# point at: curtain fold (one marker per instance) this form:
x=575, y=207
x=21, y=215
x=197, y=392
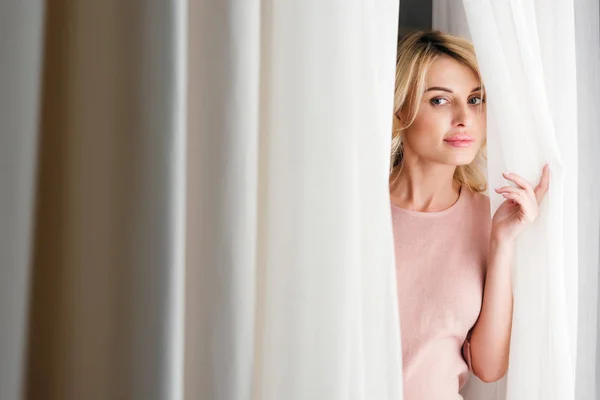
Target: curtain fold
x=587, y=48
x=224, y=45
x=21, y=44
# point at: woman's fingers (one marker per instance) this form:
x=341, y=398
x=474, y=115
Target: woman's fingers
x=524, y=195
x=524, y=202
x=510, y=189
x=522, y=183
x=542, y=187
x=516, y=197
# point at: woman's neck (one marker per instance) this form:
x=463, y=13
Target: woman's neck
x=425, y=188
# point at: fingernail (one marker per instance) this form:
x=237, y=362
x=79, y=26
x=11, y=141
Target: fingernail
x=506, y=173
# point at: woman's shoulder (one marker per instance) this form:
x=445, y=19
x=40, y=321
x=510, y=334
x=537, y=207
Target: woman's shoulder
x=480, y=204
x=481, y=219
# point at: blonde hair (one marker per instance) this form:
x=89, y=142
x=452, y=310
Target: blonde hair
x=416, y=52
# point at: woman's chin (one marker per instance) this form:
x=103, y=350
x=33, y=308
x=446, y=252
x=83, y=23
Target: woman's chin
x=460, y=161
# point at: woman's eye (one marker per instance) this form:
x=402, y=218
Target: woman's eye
x=438, y=101
x=475, y=100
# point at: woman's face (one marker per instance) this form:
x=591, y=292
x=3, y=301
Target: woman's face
x=450, y=125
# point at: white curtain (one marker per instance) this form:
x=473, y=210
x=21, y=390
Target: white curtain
x=291, y=223
x=539, y=61
x=194, y=200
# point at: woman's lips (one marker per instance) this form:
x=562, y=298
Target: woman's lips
x=460, y=140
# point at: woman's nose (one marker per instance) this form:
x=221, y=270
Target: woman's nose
x=463, y=115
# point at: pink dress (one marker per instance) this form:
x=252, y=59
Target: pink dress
x=440, y=270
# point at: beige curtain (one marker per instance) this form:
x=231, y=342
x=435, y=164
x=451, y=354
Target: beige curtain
x=95, y=144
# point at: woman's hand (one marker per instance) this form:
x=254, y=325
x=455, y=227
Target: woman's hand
x=521, y=206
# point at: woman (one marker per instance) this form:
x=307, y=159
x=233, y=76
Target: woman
x=452, y=259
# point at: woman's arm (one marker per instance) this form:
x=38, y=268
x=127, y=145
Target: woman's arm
x=490, y=337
